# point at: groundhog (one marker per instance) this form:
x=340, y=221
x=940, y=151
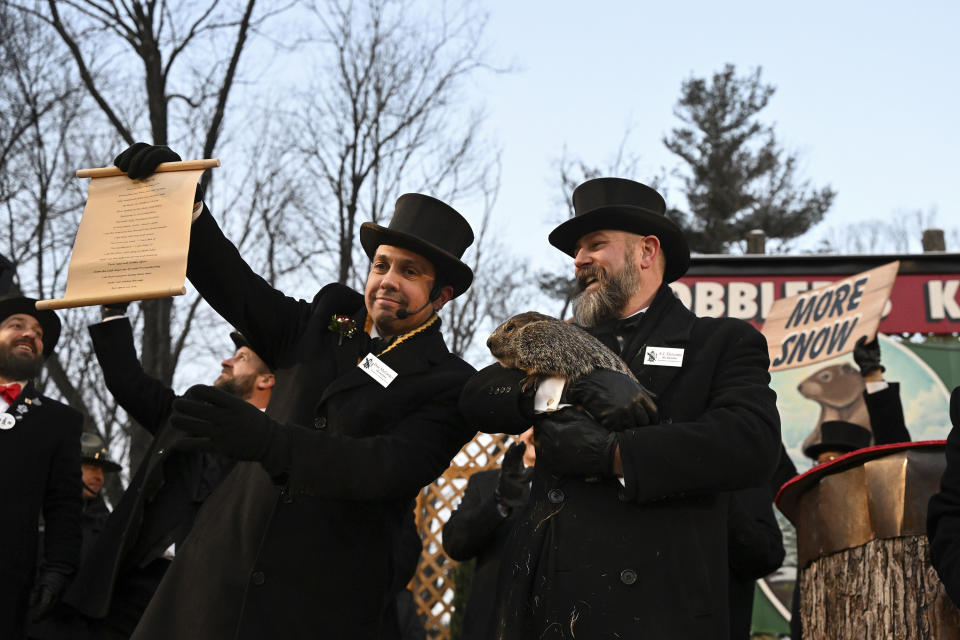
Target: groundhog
x=838, y=389
x=543, y=346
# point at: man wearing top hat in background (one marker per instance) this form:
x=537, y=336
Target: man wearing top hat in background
x=39, y=471
x=625, y=534
x=301, y=541
x=120, y=573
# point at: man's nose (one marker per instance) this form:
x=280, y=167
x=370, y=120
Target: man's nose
x=581, y=258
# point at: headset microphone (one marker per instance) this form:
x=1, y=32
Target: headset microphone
x=403, y=314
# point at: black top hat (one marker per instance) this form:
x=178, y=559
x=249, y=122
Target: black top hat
x=48, y=320
x=623, y=205
x=431, y=228
x=93, y=450
x=239, y=340
x=841, y=436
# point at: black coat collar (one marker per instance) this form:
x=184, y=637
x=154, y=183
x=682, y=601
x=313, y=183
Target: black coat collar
x=415, y=355
x=667, y=323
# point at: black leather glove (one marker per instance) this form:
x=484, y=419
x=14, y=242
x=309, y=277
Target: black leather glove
x=493, y=402
x=867, y=356
x=234, y=426
x=513, y=487
x=572, y=443
x=140, y=159
x=46, y=593
x=113, y=309
x=616, y=401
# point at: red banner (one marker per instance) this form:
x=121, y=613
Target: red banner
x=919, y=303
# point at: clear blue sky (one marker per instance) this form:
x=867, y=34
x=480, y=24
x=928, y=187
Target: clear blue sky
x=867, y=94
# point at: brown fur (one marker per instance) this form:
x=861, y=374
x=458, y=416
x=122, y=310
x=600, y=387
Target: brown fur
x=544, y=346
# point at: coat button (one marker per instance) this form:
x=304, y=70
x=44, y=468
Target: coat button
x=285, y=496
x=258, y=578
x=628, y=576
x=320, y=422
x=555, y=496
x=160, y=452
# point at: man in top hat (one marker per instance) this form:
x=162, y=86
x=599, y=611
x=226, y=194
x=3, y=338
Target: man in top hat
x=300, y=540
x=625, y=534
x=39, y=471
x=95, y=462
x=122, y=570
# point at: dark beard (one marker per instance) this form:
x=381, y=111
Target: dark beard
x=15, y=365
x=240, y=386
x=609, y=300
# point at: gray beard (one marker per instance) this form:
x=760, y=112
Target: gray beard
x=237, y=386
x=19, y=366
x=609, y=300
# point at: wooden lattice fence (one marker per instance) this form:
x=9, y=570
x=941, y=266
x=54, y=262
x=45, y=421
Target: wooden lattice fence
x=432, y=586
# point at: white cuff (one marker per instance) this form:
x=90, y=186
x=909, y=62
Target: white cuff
x=548, y=395
x=877, y=385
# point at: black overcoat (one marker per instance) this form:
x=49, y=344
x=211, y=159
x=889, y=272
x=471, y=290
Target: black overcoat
x=943, y=511
x=594, y=559
x=40, y=473
x=312, y=557
x=476, y=529
x=125, y=564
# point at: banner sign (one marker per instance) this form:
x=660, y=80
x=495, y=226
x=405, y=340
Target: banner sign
x=826, y=322
x=919, y=302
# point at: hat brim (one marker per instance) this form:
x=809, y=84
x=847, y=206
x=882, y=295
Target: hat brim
x=239, y=340
x=633, y=220
x=814, y=450
x=109, y=466
x=449, y=268
x=49, y=321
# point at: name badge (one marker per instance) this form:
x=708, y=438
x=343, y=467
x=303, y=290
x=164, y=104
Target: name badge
x=376, y=369
x=663, y=356
x=7, y=421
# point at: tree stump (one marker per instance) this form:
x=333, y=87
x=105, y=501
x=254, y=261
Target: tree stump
x=882, y=589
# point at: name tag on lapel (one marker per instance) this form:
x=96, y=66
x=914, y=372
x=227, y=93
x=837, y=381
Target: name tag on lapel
x=376, y=369
x=663, y=356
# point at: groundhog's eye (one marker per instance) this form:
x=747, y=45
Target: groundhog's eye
x=825, y=376
x=510, y=327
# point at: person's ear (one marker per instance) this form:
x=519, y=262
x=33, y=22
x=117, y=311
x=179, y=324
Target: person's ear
x=649, y=251
x=266, y=381
x=445, y=295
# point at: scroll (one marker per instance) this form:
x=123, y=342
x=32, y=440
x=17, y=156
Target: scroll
x=133, y=237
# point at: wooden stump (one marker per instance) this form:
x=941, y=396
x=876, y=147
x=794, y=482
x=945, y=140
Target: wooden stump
x=885, y=588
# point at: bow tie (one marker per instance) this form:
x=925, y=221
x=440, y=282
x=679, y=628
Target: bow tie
x=9, y=392
x=619, y=326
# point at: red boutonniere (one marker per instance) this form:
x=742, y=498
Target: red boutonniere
x=342, y=325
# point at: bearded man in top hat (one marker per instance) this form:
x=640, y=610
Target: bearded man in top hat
x=301, y=539
x=124, y=565
x=39, y=471
x=625, y=534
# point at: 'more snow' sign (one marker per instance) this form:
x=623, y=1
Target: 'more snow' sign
x=826, y=322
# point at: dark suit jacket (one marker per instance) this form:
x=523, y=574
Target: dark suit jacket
x=311, y=555
x=648, y=560
x=477, y=530
x=943, y=512
x=755, y=546
x=886, y=415
x=39, y=473
x=124, y=566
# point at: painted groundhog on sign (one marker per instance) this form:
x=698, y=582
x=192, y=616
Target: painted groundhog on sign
x=838, y=389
